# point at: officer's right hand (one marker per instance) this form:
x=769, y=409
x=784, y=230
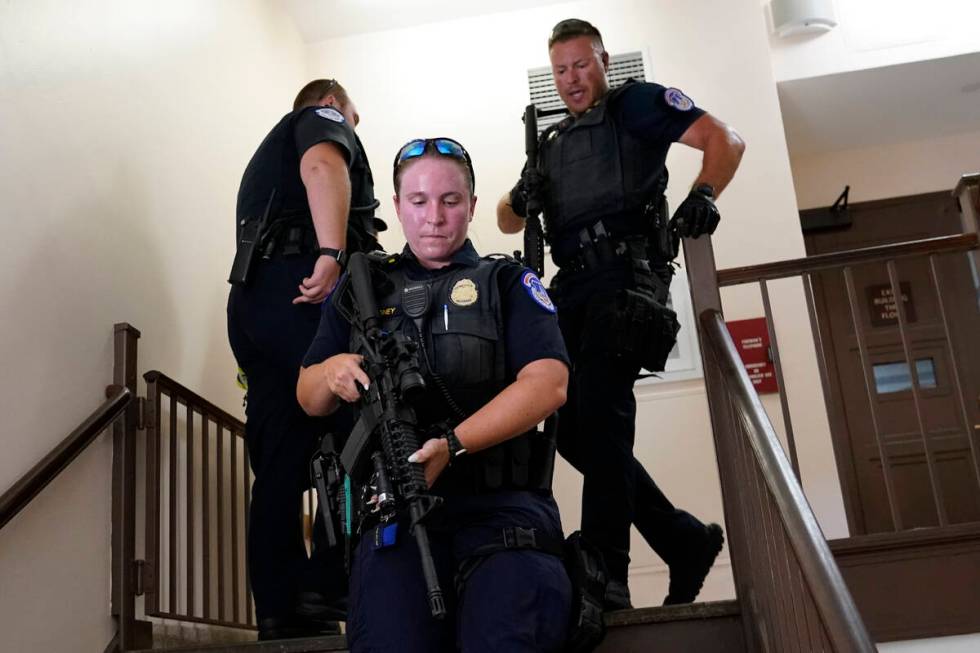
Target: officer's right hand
x=316, y=287
x=342, y=373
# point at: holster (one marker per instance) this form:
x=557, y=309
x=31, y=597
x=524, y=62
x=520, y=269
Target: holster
x=587, y=571
x=664, y=242
x=632, y=324
x=251, y=234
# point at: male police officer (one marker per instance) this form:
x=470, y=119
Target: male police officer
x=601, y=173
x=305, y=200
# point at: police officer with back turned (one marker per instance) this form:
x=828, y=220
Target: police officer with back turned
x=600, y=175
x=306, y=200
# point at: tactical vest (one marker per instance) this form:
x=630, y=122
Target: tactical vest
x=597, y=171
x=461, y=338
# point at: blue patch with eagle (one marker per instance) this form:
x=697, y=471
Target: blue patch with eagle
x=675, y=97
x=535, y=289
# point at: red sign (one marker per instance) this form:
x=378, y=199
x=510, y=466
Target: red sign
x=752, y=341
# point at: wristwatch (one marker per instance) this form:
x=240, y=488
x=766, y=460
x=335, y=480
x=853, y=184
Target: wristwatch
x=338, y=254
x=456, y=447
x=705, y=189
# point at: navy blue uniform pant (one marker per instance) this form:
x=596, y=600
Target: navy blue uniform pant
x=269, y=336
x=596, y=432
x=516, y=601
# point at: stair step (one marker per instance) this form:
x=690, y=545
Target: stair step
x=299, y=645
x=713, y=627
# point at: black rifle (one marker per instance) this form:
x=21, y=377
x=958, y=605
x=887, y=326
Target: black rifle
x=386, y=432
x=533, y=233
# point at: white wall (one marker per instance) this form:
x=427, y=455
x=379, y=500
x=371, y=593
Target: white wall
x=873, y=33
x=467, y=79
x=886, y=171
x=124, y=130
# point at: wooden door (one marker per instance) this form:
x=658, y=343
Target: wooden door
x=889, y=407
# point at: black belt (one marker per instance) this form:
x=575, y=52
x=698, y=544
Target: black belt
x=289, y=238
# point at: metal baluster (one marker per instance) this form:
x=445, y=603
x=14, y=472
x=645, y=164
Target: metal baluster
x=872, y=397
x=937, y=491
x=954, y=368
x=783, y=392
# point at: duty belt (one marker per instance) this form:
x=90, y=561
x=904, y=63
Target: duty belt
x=288, y=237
x=598, y=250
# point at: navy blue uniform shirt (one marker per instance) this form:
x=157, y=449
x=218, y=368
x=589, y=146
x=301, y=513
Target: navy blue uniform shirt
x=530, y=330
x=655, y=114
x=276, y=162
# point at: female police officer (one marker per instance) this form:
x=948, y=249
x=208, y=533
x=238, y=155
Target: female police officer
x=495, y=366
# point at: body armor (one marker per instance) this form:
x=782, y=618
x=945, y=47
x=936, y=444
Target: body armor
x=459, y=330
x=597, y=170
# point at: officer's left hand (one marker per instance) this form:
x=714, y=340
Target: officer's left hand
x=434, y=456
x=696, y=215
x=318, y=285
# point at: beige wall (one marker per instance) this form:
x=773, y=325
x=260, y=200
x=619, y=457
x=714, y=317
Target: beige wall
x=124, y=130
x=887, y=170
x=467, y=79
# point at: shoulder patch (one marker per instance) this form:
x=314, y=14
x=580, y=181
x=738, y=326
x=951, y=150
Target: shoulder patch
x=535, y=289
x=675, y=97
x=330, y=114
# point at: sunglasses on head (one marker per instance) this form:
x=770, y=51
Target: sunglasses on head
x=444, y=146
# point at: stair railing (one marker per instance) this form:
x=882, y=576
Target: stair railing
x=198, y=486
x=47, y=469
x=790, y=591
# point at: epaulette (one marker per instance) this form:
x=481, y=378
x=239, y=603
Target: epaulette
x=619, y=90
x=552, y=131
x=382, y=259
x=498, y=256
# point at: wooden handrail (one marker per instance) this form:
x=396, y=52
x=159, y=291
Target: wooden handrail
x=843, y=624
x=30, y=484
x=797, y=266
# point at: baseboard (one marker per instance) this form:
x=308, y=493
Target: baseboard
x=914, y=584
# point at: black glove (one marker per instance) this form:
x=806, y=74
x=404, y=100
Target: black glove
x=697, y=214
x=532, y=184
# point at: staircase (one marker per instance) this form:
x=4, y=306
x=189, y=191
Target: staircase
x=714, y=627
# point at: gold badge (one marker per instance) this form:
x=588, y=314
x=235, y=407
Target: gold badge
x=464, y=293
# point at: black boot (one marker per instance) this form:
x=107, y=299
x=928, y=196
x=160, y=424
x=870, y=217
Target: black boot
x=293, y=626
x=617, y=597
x=688, y=573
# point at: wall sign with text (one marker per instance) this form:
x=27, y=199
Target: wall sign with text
x=752, y=341
x=882, y=307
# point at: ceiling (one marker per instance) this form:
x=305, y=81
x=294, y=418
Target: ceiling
x=880, y=106
x=323, y=19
